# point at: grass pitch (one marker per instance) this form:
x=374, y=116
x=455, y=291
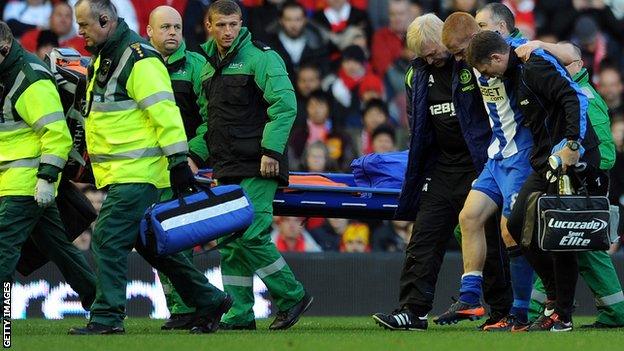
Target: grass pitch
x=311, y=333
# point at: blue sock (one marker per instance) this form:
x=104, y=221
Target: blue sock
x=521, y=283
x=470, y=291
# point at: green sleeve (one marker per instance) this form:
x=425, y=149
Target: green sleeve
x=278, y=92
x=197, y=145
x=599, y=117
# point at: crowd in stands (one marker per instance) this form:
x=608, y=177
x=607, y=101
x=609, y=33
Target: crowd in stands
x=347, y=61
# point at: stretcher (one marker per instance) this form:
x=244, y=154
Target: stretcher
x=330, y=195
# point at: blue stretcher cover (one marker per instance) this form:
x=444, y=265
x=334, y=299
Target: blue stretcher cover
x=331, y=195
x=336, y=200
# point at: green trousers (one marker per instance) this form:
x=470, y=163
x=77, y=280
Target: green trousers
x=175, y=304
x=255, y=253
x=116, y=233
x=20, y=217
x=596, y=269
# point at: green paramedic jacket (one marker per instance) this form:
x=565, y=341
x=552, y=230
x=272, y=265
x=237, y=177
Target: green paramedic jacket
x=251, y=107
x=599, y=117
x=184, y=68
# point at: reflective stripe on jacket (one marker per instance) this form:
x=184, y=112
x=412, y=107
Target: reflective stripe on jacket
x=33, y=130
x=133, y=122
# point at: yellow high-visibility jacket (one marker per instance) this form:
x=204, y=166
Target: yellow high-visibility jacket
x=34, y=137
x=132, y=121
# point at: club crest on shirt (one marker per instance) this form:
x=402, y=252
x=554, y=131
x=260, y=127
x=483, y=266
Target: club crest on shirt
x=464, y=76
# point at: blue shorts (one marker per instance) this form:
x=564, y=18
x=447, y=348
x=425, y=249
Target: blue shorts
x=501, y=180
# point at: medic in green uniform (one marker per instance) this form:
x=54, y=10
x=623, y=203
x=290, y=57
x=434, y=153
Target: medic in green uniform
x=137, y=146
x=251, y=106
x=34, y=146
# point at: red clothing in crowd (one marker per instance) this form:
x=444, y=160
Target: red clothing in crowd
x=387, y=46
x=523, y=13
x=282, y=246
x=29, y=42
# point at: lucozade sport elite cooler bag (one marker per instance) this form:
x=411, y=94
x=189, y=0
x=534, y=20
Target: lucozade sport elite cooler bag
x=175, y=225
x=573, y=223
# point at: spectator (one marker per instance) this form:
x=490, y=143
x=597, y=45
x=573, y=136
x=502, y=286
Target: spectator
x=383, y=139
x=308, y=80
x=329, y=235
x=611, y=88
x=297, y=41
x=392, y=236
x=24, y=15
x=470, y=6
x=371, y=88
x=319, y=127
x=291, y=236
x=316, y=158
x=46, y=41
x=353, y=71
x=523, y=13
x=416, y=8
x=61, y=25
x=262, y=20
x=596, y=47
x=337, y=17
x=356, y=238
x=388, y=42
x=375, y=114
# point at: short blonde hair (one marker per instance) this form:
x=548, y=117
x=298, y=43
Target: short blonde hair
x=425, y=28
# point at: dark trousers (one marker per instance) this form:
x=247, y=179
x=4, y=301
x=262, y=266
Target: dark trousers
x=21, y=218
x=558, y=270
x=442, y=198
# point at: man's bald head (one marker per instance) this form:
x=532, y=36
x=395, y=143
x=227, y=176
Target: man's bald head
x=164, y=11
x=165, y=30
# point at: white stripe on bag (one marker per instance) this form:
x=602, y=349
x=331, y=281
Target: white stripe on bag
x=204, y=213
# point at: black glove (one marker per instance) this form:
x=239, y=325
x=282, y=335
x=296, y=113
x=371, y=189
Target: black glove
x=182, y=179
